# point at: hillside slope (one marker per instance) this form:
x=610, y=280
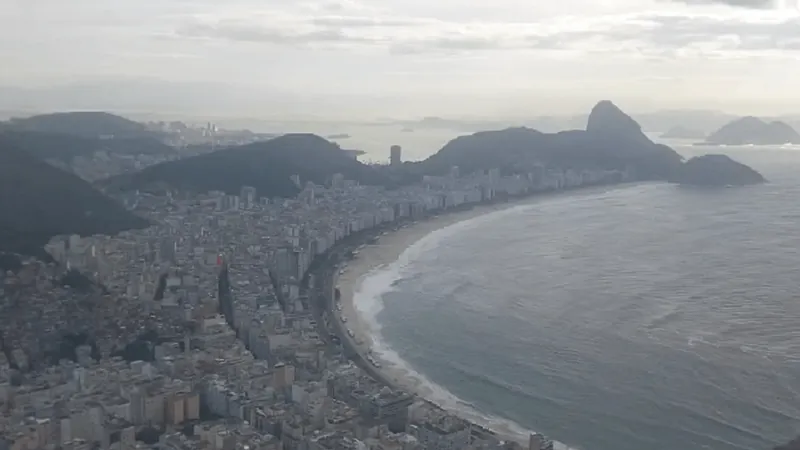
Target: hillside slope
x=38, y=201
x=612, y=140
x=716, y=170
x=267, y=166
x=65, y=147
x=88, y=124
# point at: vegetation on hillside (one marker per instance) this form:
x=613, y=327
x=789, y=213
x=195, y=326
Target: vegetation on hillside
x=267, y=166
x=89, y=124
x=39, y=201
x=65, y=147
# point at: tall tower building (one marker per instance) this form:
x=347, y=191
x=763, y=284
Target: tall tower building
x=395, y=155
x=248, y=197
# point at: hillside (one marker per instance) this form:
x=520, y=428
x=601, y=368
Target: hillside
x=64, y=147
x=612, y=140
x=38, y=201
x=716, y=170
x=752, y=130
x=88, y=124
x=267, y=166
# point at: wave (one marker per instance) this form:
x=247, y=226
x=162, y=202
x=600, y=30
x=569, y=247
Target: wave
x=368, y=304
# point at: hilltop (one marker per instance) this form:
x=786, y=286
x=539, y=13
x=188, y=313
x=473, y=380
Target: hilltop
x=38, y=201
x=611, y=140
x=267, y=166
x=87, y=124
x=752, y=130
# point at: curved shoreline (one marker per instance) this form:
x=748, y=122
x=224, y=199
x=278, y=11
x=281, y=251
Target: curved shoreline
x=371, y=261
x=386, y=251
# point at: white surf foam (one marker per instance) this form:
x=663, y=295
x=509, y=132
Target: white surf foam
x=368, y=303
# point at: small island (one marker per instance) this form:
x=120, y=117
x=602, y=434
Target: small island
x=338, y=136
x=753, y=131
x=679, y=132
x=716, y=170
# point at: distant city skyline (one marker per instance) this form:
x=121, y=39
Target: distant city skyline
x=349, y=59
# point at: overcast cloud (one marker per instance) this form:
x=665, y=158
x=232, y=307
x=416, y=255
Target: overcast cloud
x=756, y=4
x=418, y=57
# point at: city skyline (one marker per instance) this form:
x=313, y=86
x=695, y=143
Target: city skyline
x=355, y=60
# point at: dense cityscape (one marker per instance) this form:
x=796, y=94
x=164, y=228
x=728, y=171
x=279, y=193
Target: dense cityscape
x=399, y=225
x=217, y=328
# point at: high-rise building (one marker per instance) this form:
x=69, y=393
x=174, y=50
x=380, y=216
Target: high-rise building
x=248, y=197
x=396, y=155
x=283, y=376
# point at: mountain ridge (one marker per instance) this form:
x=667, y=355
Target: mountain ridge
x=611, y=140
x=267, y=166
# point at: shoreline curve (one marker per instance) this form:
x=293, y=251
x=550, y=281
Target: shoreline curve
x=360, y=307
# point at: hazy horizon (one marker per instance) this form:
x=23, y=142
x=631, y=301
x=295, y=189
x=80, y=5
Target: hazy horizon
x=353, y=60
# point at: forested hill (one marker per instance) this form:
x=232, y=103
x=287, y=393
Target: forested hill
x=38, y=201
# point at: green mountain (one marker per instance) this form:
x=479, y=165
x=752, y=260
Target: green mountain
x=88, y=124
x=267, y=166
x=38, y=201
x=611, y=140
x=716, y=170
x=65, y=147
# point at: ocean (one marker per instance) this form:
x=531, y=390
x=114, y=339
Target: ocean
x=641, y=317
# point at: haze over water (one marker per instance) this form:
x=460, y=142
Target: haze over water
x=646, y=317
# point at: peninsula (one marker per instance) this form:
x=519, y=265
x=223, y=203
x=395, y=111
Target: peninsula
x=716, y=170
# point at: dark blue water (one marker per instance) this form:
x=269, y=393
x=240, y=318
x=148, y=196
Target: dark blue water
x=647, y=317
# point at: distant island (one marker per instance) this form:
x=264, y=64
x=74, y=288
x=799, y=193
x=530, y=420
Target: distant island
x=680, y=132
x=716, y=170
x=334, y=137
x=753, y=131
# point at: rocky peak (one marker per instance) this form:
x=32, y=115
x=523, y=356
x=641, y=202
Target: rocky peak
x=606, y=117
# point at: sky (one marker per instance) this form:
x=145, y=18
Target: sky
x=409, y=58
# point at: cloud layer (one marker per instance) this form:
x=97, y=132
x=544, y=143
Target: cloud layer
x=403, y=48
x=634, y=34
x=755, y=4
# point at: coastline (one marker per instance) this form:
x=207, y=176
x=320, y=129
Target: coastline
x=374, y=257
x=388, y=250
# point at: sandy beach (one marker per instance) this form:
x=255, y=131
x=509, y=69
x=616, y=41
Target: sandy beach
x=355, y=307
x=386, y=251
